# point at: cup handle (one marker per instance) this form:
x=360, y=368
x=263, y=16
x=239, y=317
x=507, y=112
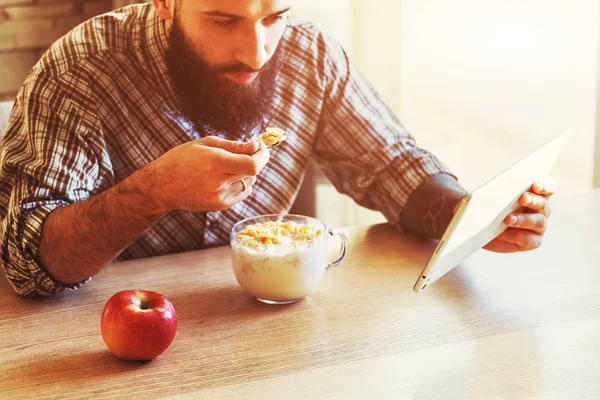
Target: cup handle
x=343, y=250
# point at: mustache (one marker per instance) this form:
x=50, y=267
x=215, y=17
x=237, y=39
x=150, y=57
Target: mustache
x=234, y=68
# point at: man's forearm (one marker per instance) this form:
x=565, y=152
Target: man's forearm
x=78, y=240
x=430, y=208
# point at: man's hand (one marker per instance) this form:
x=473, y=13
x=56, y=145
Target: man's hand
x=526, y=229
x=206, y=175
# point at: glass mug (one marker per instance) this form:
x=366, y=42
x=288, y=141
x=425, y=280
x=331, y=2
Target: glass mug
x=283, y=273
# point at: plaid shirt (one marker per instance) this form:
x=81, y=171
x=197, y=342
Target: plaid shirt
x=98, y=106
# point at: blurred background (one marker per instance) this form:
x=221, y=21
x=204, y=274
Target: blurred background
x=480, y=83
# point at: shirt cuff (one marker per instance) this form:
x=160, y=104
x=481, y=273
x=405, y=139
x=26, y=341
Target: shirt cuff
x=414, y=173
x=29, y=234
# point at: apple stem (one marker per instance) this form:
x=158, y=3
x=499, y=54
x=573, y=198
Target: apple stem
x=145, y=305
x=142, y=304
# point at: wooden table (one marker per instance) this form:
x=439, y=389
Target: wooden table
x=522, y=326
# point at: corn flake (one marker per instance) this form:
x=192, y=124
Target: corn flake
x=272, y=137
x=273, y=232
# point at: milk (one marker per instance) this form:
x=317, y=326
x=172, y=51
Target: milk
x=280, y=273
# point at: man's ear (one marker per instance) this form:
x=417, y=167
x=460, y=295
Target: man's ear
x=164, y=8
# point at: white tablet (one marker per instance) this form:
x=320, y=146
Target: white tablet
x=480, y=216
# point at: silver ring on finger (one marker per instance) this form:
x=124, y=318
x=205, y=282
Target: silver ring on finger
x=244, y=184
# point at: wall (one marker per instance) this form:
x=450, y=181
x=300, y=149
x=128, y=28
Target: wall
x=28, y=27
x=597, y=148
x=482, y=83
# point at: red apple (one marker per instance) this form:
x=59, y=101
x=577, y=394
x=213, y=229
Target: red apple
x=138, y=324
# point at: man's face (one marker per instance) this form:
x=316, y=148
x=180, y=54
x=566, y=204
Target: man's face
x=222, y=60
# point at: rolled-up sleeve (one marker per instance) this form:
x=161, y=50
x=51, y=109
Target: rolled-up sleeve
x=49, y=159
x=19, y=250
x=362, y=147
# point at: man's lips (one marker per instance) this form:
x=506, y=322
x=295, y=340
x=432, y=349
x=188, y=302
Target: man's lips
x=242, y=77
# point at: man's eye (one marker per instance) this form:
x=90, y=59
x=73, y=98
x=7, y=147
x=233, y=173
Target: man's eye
x=223, y=22
x=273, y=20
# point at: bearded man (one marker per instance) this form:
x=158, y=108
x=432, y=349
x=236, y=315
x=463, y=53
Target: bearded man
x=135, y=136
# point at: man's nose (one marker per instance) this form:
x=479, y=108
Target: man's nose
x=252, y=50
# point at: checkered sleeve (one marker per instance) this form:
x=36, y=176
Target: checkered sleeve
x=49, y=159
x=362, y=147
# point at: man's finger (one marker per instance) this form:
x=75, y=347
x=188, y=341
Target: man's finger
x=261, y=157
x=230, y=145
x=545, y=187
x=534, y=202
x=233, y=164
x=535, y=222
x=243, y=164
x=239, y=194
x=501, y=246
x=235, y=185
x=524, y=239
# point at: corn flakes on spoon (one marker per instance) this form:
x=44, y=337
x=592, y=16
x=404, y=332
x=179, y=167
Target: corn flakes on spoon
x=273, y=137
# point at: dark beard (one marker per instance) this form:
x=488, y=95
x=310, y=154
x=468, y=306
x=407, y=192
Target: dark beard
x=212, y=103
